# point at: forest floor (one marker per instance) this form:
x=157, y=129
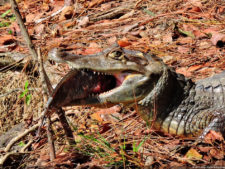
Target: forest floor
x=188, y=35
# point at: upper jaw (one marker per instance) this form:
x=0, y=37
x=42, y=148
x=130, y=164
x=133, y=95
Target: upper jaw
x=106, y=61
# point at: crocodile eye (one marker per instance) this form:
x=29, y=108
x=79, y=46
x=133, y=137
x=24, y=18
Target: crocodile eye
x=117, y=55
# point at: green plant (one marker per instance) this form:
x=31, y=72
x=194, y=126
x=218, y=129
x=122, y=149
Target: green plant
x=7, y=17
x=137, y=147
x=5, y=13
x=25, y=94
x=21, y=144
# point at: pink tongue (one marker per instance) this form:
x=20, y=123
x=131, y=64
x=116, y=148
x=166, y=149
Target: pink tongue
x=120, y=78
x=104, y=85
x=97, y=88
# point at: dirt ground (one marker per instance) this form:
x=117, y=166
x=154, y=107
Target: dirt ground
x=188, y=35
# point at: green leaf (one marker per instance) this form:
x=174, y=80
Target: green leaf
x=124, y=143
x=5, y=13
x=149, y=12
x=141, y=143
x=21, y=144
x=10, y=32
x=13, y=18
x=135, y=149
x=4, y=24
x=22, y=94
x=26, y=84
x=187, y=33
x=28, y=99
x=134, y=146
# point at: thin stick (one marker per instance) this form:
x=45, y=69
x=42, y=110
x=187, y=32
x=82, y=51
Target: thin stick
x=50, y=140
x=26, y=36
x=20, y=136
x=7, y=155
x=47, y=90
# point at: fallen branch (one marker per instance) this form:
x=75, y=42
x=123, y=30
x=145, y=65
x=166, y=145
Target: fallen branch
x=26, y=146
x=7, y=155
x=20, y=136
x=25, y=133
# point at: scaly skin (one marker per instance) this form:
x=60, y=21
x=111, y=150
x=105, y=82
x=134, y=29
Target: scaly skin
x=171, y=102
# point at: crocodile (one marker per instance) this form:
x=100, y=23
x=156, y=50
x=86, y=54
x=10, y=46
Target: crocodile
x=166, y=100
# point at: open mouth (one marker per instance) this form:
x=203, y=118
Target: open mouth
x=82, y=85
x=100, y=82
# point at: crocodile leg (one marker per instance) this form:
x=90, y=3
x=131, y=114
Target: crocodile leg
x=217, y=124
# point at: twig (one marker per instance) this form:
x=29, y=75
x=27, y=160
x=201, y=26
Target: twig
x=47, y=90
x=25, y=133
x=7, y=155
x=161, y=15
x=50, y=140
x=66, y=3
x=20, y=136
x=26, y=146
x=26, y=36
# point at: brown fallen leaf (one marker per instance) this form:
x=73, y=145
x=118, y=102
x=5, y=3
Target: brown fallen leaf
x=167, y=38
x=183, y=49
x=212, y=136
x=195, y=67
x=7, y=43
x=96, y=116
x=185, y=40
x=67, y=13
x=184, y=71
x=83, y=22
x=112, y=40
x=199, y=34
x=205, y=149
x=193, y=154
x=218, y=154
x=30, y=17
x=39, y=29
x=207, y=158
x=220, y=163
x=218, y=39
x=106, y=6
x=39, y=144
x=108, y=115
x=196, y=3
x=92, y=49
x=95, y=2
x=123, y=43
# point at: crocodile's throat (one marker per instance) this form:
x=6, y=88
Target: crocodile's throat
x=102, y=83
